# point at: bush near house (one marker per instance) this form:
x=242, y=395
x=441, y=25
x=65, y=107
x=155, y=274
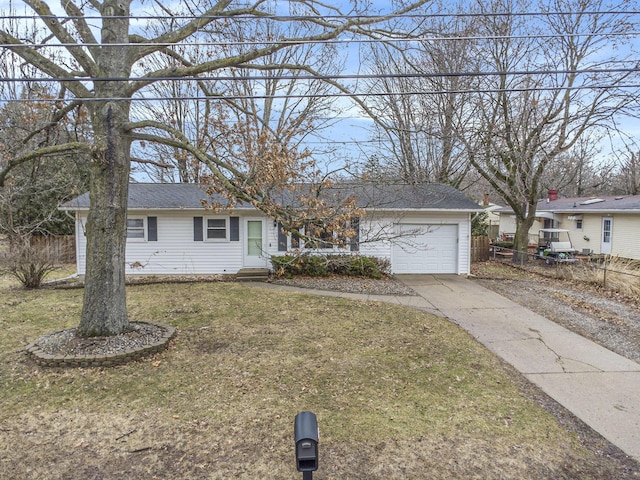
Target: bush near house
x=324, y=265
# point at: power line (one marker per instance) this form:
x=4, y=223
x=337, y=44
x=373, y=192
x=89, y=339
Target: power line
x=332, y=95
x=250, y=43
x=261, y=15
x=359, y=76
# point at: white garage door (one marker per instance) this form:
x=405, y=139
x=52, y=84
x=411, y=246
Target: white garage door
x=426, y=249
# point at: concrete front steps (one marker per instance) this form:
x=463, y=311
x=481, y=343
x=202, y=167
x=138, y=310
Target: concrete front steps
x=252, y=275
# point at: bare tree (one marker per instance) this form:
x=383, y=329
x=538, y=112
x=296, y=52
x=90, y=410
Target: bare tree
x=629, y=173
x=104, y=52
x=210, y=111
x=580, y=171
x=30, y=198
x=420, y=109
x=554, y=82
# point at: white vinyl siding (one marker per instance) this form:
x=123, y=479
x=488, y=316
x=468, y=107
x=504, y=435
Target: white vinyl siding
x=175, y=251
x=588, y=238
x=626, y=229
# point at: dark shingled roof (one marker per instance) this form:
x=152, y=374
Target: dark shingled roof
x=172, y=196
x=621, y=203
x=599, y=204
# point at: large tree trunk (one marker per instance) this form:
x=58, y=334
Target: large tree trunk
x=104, y=311
x=521, y=238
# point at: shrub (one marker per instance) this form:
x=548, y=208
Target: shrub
x=315, y=266
x=323, y=265
x=30, y=265
x=283, y=265
x=364, y=267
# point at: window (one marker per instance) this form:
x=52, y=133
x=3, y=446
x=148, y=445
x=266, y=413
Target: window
x=348, y=236
x=579, y=224
x=216, y=229
x=606, y=230
x=135, y=228
x=321, y=237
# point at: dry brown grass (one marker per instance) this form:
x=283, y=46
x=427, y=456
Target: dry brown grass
x=398, y=394
x=616, y=274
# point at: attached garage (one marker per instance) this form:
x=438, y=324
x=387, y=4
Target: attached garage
x=425, y=248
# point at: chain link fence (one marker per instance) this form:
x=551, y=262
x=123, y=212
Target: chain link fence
x=613, y=273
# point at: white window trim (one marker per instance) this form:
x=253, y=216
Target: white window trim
x=205, y=227
x=144, y=229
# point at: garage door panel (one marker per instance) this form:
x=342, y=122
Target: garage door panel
x=426, y=249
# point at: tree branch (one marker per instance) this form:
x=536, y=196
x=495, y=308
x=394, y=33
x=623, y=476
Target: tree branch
x=56, y=27
x=42, y=152
x=30, y=55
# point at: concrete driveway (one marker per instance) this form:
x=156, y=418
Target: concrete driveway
x=600, y=387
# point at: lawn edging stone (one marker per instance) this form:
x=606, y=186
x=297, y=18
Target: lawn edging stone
x=35, y=352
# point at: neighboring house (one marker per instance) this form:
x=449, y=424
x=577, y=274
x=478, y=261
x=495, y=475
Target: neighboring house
x=598, y=225
x=492, y=218
x=419, y=228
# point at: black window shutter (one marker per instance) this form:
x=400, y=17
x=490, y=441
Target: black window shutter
x=152, y=229
x=234, y=229
x=355, y=241
x=282, y=238
x=197, y=229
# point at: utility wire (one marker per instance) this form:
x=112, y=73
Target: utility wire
x=302, y=96
x=253, y=43
x=261, y=15
x=360, y=76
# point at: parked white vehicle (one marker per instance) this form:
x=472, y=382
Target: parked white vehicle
x=554, y=246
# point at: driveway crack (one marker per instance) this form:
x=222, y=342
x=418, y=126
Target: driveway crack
x=560, y=359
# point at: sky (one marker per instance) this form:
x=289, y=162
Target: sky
x=352, y=130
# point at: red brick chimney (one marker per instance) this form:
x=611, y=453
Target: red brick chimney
x=552, y=195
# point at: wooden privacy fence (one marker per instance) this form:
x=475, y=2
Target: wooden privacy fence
x=62, y=249
x=479, y=249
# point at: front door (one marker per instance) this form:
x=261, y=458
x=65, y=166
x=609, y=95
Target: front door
x=607, y=231
x=255, y=254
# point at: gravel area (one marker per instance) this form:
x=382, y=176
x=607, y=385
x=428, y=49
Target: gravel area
x=606, y=318
x=337, y=283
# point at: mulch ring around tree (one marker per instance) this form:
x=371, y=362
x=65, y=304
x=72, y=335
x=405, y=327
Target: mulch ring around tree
x=65, y=349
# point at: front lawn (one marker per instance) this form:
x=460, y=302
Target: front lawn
x=398, y=394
